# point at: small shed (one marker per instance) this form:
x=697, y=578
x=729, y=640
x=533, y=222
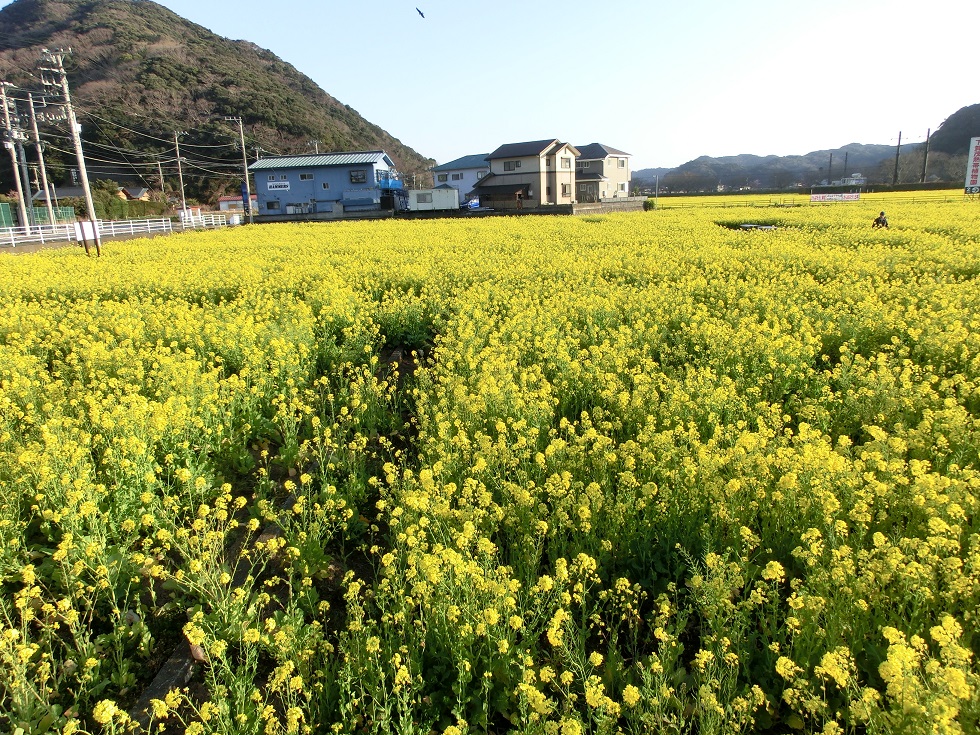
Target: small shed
x=442, y=198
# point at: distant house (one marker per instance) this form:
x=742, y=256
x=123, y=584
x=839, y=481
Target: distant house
x=61, y=192
x=135, y=194
x=531, y=174
x=854, y=180
x=461, y=174
x=601, y=172
x=234, y=203
x=320, y=183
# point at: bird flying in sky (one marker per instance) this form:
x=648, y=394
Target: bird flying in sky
x=420, y=12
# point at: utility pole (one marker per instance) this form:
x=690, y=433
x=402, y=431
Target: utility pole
x=925, y=159
x=57, y=59
x=898, y=151
x=830, y=170
x=24, y=172
x=845, y=164
x=180, y=176
x=160, y=172
x=8, y=143
x=248, y=189
x=40, y=158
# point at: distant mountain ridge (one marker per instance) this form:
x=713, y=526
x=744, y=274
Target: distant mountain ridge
x=138, y=65
x=946, y=149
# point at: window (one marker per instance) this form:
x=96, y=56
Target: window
x=325, y=184
x=585, y=164
x=306, y=177
x=457, y=177
x=283, y=177
x=272, y=177
x=566, y=190
x=547, y=191
x=622, y=187
x=622, y=163
x=511, y=165
x=566, y=163
x=358, y=176
x=481, y=174
x=425, y=198
x=443, y=177
x=547, y=162
x=272, y=206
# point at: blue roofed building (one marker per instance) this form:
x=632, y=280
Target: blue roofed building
x=326, y=184
x=461, y=174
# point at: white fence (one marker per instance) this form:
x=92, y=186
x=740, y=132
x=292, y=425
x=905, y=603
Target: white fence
x=13, y=236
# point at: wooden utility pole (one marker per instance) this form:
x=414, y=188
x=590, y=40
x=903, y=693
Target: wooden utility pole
x=925, y=158
x=160, y=172
x=57, y=61
x=180, y=177
x=898, y=151
x=248, y=188
x=40, y=159
x=8, y=143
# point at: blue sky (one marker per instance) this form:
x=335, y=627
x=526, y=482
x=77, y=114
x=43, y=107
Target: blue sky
x=664, y=81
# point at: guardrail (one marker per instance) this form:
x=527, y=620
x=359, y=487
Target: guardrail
x=13, y=236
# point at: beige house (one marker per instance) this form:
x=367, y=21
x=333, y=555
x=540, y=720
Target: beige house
x=601, y=172
x=532, y=174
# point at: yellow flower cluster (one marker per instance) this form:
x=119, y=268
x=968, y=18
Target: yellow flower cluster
x=633, y=473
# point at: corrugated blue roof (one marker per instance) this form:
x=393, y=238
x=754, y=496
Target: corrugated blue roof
x=319, y=160
x=477, y=160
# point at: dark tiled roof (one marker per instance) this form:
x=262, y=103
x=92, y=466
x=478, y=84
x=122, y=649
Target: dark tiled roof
x=520, y=150
x=596, y=151
x=61, y=192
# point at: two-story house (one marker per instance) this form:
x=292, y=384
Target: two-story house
x=601, y=172
x=532, y=174
x=323, y=182
x=461, y=174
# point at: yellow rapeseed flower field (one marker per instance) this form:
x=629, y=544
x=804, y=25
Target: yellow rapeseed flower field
x=645, y=472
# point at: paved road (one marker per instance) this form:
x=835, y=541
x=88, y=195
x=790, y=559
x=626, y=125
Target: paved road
x=35, y=247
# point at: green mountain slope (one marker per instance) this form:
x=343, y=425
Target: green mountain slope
x=138, y=65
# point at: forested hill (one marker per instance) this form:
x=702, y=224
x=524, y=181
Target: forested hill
x=946, y=163
x=137, y=65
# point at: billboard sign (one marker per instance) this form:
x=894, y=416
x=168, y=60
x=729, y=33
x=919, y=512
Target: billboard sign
x=278, y=186
x=972, y=185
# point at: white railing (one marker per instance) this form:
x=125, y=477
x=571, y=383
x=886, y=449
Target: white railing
x=193, y=222
x=111, y=228
x=13, y=236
